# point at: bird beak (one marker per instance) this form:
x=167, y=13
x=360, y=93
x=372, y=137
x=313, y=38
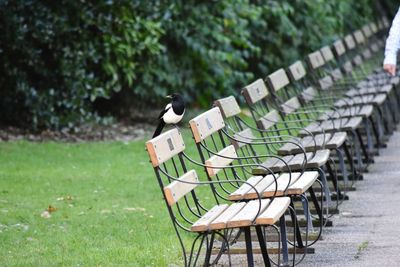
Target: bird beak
x=168, y=96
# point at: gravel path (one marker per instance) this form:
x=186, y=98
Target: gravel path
x=367, y=231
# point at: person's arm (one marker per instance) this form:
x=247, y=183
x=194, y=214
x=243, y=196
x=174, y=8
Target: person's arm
x=392, y=46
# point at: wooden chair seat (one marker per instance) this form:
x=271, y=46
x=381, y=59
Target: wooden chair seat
x=347, y=112
x=295, y=162
x=242, y=214
x=354, y=101
x=330, y=140
x=335, y=125
x=266, y=187
x=377, y=99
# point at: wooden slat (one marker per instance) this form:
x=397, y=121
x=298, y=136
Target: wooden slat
x=281, y=184
x=349, y=41
x=274, y=211
x=374, y=28
x=357, y=60
x=379, y=99
x=339, y=48
x=367, y=53
x=358, y=35
x=337, y=74
x=385, y=22
x=319, y=159
x=165, y=146
x=327, y=53
x=206, y=124
x=291, y=105
x=309, y=94
x=337, y=140
x=243, y=189
x=325, y=83
x=273, y=164
x=315, y=59
x=315, y=143
x=348, y=67
x=288, y=148
x=268, y=120
x=203, y=223
x=278, y=80
x=221, y=221
x=261, y=186
x=381, y=25
x=303, y=183
x=255, y=92
x=229, y=106
x=374, y=47
x=177, y=189
x=367, y=30
x=224, y=158
x=247, y=215
x=246, y=136
x=296, y=71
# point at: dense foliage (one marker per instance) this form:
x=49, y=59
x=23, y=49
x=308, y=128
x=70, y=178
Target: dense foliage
x=59, y=57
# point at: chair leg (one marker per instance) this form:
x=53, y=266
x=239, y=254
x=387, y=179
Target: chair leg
x=285, y=250
x=363, y=148
x=263, y=246
x=316, y=204
x=296, y=224
x=209, y=250
x=249, y=249
x=334, y=179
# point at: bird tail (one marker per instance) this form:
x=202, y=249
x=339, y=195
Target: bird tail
x=160, y=126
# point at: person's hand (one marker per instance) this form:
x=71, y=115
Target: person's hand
x=390, y=68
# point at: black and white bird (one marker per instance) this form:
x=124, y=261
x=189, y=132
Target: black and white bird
x=172, y=114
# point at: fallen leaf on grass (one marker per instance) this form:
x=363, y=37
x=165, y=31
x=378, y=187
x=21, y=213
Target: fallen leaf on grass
x=51, y=209
x=105, y=211
x=134, y=209
x=65, y=198
x=130, y=209
x=45, y=214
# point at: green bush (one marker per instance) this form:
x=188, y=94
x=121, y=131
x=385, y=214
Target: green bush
x=60, y=57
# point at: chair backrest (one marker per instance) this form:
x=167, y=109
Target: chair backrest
x=359, y=37
x=296, y=71
x=217, y=151
x=385, y=22
x=206, y=124
x=176, y=179
x=373, y=27
x=228, y=106
x=165, y=146
x=327, y=53
x=339, y=48
x=349, y=41
x=291, y=105
x=315, y=60
x=255, y=92
x=366, y=29
x=277, y=80
x=308, y=94
x=326, y=82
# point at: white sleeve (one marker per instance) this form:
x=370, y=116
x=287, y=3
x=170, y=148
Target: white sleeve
x=393, y=41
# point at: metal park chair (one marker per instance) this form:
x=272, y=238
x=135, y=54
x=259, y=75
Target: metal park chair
x=216, y=144
x=191, y=211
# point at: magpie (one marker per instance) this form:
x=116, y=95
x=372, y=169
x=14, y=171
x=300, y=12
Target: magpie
x=172, y=114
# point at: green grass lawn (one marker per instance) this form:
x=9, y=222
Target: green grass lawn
x=109, y=208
